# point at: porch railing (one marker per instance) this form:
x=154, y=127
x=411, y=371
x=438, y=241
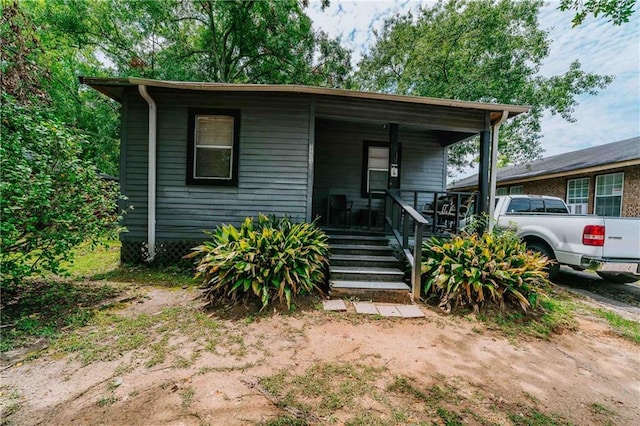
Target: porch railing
x=399, y=216
x=461, y=203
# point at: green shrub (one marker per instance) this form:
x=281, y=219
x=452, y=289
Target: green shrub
x=469, y=269
x=51, y=200
x=273, y=260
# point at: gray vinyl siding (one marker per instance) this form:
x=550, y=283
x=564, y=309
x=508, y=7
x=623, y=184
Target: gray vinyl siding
x=273, y=164
x=339, y=162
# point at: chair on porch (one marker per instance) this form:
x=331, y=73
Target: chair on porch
x=340, y=207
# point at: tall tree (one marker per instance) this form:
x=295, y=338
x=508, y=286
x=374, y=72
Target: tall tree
x=477, y=50
x=617, y=11
x=205, y=40
x=51, y=199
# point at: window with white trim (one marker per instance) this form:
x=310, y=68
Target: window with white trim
x=213, y=147
x=502, y=191
x=608, y=197
x=578, y=195
x=516, y=190
x=376, y=169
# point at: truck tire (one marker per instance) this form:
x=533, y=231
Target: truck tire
x=543, y=249
x=617, y=277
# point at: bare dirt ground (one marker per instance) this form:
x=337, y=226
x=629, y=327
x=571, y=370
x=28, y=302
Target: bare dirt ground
x=433, y=370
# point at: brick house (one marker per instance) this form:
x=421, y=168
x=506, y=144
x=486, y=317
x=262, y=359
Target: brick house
x=602, y=180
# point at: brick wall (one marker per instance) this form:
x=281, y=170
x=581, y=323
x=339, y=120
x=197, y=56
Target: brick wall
x=557, y=187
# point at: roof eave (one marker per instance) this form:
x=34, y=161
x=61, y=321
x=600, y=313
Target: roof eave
x=107, y=86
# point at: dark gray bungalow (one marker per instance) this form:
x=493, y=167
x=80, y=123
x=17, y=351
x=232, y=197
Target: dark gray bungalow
x=195, y=155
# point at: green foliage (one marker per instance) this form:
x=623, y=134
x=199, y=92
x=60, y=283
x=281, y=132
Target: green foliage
x=50, y=199
x=477, y=50
x=618, y=11
x=469, y=270
x=273, y=260
x=205, y=40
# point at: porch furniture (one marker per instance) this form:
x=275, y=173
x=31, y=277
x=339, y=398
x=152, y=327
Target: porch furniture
x=339, y=206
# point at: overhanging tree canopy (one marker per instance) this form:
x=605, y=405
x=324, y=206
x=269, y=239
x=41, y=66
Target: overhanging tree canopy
x=477, y=50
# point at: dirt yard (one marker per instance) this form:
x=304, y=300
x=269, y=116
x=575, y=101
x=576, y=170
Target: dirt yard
x=158, y=360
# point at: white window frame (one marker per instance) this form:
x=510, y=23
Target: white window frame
x=597, y=196
x=197, y=147
x=375, y=169
x=502, y=191
x=578, y=207
x=516, y=190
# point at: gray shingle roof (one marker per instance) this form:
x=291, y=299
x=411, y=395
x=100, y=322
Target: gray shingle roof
x=615, y=152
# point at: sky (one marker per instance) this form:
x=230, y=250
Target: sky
x=601, y=47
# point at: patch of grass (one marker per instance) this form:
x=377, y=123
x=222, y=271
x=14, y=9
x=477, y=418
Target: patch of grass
x=555, y=315
x=328, y=387
x=89, y=261
x=103, y=263
x=37, y=309
x=626, y=328
x=187, y=397
x=110, y=335
x=9, y=402
x=150, y=275
x=107, y=400
x=535, y=418
x=598, y=408
x=449, y=418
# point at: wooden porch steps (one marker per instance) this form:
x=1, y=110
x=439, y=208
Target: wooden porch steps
x=363, y=267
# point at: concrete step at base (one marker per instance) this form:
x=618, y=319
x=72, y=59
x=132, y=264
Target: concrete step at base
x=356, y=260
x=361, y=249
x=394, y=292
x=364, y=273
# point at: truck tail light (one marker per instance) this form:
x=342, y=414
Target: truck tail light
x=593, y=235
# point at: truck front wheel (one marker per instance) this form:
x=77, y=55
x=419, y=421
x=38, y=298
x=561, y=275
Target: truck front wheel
x=554, y=267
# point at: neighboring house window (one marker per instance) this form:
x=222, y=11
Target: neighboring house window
x=375, y=169
x=502, y=191
x=516, y=190
x=578, y=195
x=213, y=147
x=608, y=198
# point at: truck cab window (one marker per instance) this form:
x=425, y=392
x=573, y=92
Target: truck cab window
x=519, y=205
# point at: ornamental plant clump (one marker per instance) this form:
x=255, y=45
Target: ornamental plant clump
x=272, y=260
x=471, y=269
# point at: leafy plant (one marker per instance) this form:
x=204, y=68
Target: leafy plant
x=271, y=259
x=470, y=269
x=51, y=200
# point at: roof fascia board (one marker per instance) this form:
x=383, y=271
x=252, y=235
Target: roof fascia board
x=513, y=109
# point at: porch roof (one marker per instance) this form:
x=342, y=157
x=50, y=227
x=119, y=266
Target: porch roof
x=114, y=87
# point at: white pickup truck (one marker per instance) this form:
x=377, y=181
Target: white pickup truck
x=608, y=245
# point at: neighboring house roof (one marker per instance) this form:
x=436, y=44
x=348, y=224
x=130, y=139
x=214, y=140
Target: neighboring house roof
x=612, y=155
x=113, y=87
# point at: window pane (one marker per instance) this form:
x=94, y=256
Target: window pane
x=501, y=191
x=608, y=206
x=516, y=190
x=378, y=158
x=519, y=205
x=377, y=181
x=537, y=206
x=609, y=189
x=578, y=191
x=214, y=130
x=555, y=206
x=213, y=163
